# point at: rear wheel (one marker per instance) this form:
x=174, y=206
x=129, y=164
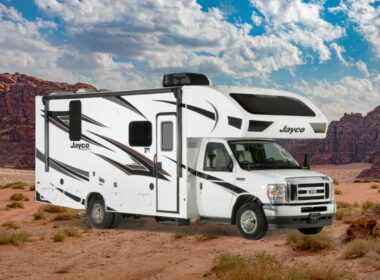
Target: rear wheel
x=98, y=217
x=308, y=231
x=251, y=221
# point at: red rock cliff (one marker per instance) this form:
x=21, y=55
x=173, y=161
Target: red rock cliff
x=17, y=92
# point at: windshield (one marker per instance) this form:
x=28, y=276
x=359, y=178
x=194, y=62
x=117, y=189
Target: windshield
x=262, y=155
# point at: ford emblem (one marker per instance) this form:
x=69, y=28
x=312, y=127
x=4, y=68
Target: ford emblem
x=312, y=191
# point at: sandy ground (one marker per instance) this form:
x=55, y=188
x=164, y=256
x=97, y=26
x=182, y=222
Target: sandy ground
x=143, y=249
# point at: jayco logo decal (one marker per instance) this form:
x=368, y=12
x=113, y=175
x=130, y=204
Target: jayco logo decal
x=290, y=130
x=80, y=146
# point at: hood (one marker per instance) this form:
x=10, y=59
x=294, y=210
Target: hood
x=278, y=176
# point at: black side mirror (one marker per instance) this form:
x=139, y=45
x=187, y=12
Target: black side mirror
x=306, y=161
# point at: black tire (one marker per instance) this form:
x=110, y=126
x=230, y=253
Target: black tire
x=117, y=219
x=97, y=215
x=313, y=230
x=259, y=228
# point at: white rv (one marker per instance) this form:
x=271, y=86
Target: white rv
x=183, y=151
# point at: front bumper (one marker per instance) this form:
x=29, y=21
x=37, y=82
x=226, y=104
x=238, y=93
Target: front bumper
x=300, y=216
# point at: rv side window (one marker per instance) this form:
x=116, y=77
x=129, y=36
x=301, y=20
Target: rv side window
x=217, y=158
x=167, y=136
x=75, y=120
x=140, y=133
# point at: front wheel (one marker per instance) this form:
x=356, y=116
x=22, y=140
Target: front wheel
x=251, y=221
x=308, y=231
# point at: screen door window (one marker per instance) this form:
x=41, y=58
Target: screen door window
x=167, y=136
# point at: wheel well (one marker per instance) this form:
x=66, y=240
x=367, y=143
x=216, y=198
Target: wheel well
x=239, y=202
x=91, y=196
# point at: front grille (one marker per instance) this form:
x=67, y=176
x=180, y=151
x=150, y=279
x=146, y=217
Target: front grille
x=309, y=192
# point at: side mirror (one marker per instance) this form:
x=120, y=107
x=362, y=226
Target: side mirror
x=306, y=162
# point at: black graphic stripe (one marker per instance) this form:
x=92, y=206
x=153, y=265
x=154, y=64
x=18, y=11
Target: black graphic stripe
x=137, y=157
x=198, y=110
x=121, y=101
x=63, y=168
x=213, y=179
x=235, y=122
x=70, y=195
x=40, y=199
x=216, y=116
x=92, y=121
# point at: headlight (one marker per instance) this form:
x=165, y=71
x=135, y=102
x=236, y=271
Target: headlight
x=277, y=193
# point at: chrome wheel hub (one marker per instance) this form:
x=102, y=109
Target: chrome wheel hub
x=248, y=221
x=97, y=213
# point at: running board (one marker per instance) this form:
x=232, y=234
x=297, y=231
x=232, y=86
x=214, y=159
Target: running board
x=222, y=221
x=172, y=221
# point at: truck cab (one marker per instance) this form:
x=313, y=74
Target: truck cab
x=266, y=186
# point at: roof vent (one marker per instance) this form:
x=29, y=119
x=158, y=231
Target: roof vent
x=185, y=79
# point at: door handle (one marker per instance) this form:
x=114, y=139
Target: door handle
x=200, y=186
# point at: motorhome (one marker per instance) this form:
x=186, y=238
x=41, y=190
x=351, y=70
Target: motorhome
x=182, y=152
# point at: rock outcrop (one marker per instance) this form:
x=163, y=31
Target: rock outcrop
x=366, y=225
x=17, y=93
x=354, y=138
x=371, y=173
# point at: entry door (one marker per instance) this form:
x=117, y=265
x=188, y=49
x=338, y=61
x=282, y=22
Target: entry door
x=214, y=188
x=166, y=166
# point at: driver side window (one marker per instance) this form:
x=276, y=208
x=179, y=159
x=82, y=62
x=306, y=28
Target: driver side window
x=217, y=158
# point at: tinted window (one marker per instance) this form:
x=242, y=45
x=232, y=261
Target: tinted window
x=273, y=105
x=140, y=133
x=75, y=120
x=217, y=158
x=167, y=136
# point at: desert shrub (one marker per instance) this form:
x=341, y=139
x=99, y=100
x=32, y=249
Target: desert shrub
x=11, y=225
x=14, y=238
x=53, y=208
x=375, y=186
x=64, y=216
x=358, y=181
x=367, y=204
x=205, y=237
x=14, y=185
x=337, y=191
x=19, y=197
x=347, y=215
x=343, y=204
x=264, y=266
x=58, y=236
x=72, y=232
x=362, y=247
x=182, y=235
x=32, y=187
x=314, y=243
x=14, y=204
x=39, y=215
x=336, y=182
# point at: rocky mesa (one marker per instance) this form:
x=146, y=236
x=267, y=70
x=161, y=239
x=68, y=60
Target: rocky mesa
x=17, y=93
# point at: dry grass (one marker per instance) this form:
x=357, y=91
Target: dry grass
x=19, y=197
x=11, y=225
x=362, y=247
x=375, y=186
x=72, y=232
x=337, y=191
x=206, y=237
x=367, y=204
x=263, y=266
x=58, y=236
x=182, y=235
x=15, y=186
x=314, y=243
x=64, y=216
x=347, y=212
x=53, y=209
x=14, y=238
x=14, y=204
x=32, y=188
x=336, y=182
x=39, y=215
